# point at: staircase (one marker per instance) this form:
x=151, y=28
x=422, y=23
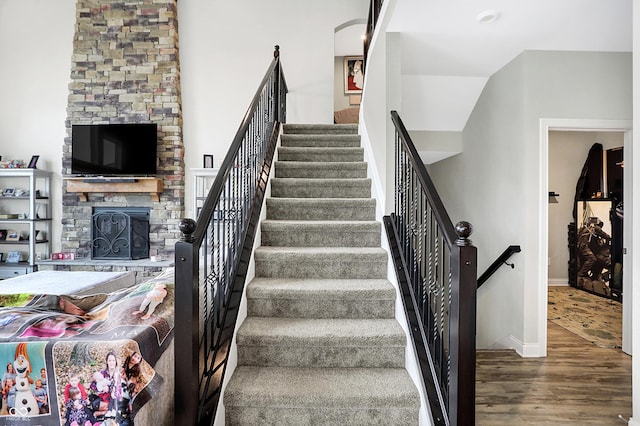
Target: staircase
x=320, y=344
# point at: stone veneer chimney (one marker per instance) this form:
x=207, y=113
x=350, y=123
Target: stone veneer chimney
x=125, y=69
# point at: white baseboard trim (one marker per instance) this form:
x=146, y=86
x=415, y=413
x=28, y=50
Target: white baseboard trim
x=525, y=350
x=558, y=282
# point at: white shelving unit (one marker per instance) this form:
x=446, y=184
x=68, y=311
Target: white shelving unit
x=33, y=210
x=202, y=180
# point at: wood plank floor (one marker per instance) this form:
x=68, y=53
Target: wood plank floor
x=578, y=383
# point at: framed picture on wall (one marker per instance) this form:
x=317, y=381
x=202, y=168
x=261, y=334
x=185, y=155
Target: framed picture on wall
x=353, y=74
x=208, y=161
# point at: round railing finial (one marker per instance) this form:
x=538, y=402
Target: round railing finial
x=464, y=230
x=187, y=227
x=276, y=52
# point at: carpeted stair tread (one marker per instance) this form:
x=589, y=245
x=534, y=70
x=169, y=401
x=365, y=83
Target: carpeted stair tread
x=315, y=154
x=320, y=169
x=265, y=251
x=320, y=188
x=334, y=289
x=320, y=262
x=320, y=128
x=309, y=233
x=321, y=298
x=320, y=332
x=321, y=208
x=350, y=388
x=328, y=140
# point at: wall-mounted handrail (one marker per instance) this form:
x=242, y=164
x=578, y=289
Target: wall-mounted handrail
x=501, y=260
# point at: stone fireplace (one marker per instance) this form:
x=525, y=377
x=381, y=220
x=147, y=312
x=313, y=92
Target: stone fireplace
x=125, y=69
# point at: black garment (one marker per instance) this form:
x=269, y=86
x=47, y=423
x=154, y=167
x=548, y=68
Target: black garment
x=590, y=180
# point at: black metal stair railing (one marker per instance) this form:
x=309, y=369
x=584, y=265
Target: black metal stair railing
x=375, y=6
x=212, y=257
x=436, y=268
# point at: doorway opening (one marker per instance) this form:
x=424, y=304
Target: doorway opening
x=591, y=128
x=348, y=71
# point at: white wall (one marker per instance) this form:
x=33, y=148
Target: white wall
x=36, y=57
x=494, y=183
x=224, y=53
x=633, y=258
x=225, y=48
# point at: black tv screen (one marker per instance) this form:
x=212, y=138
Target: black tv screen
x=114, y=149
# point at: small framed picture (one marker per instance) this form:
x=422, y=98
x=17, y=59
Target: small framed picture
x=8, y=192
x=208, y=161
x=353, y=74
x=33, y=161
x=13, y=235
x=13, y=257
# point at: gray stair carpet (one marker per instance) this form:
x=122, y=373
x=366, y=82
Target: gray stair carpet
x=320, y=344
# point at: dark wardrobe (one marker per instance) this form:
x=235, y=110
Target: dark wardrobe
x=595, y=235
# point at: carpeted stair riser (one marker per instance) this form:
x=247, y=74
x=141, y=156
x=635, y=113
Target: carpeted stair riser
x=321, y=209
x=340, y=343
x=320, y=170
x=312, y=262
x=337, y=141
x=321, y=233
x=321, y=154
x=320, y=188
x=320, y=298
x=321, y=396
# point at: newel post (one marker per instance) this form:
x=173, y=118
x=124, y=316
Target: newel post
x=186, y=326
x=463, y=315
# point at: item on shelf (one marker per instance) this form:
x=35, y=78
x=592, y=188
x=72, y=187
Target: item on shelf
x=33, y=161
x=8, y=192
x=14, y=257
x=3, y=234
x=1, y=256
x=13, y=235
x=8, y=216
x=62, y=256
x=12, y=164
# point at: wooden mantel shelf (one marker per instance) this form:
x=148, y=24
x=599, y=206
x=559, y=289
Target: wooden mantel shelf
x=83, y=186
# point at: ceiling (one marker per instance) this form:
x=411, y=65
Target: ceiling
x=453, y=42
x=459, y=52
x=348, y=39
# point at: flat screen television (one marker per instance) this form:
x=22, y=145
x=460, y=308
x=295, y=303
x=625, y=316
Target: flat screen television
x=114, y=149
